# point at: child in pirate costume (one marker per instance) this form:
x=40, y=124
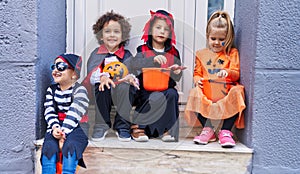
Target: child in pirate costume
x=66, y=102
x=217, y=94
x=157, y=112
x=112, y=32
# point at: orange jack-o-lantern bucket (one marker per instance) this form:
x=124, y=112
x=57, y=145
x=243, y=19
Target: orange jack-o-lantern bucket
x=156, y=79
x=116, y=70
x=216, y=89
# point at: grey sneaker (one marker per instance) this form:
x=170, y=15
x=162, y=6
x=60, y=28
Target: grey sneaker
x=99, y=134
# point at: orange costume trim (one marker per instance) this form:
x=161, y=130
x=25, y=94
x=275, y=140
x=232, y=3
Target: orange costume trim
x=207, y=64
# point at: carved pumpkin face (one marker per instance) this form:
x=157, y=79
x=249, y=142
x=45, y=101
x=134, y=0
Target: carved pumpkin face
x=214, y=67
x=116, y=70
x=215, y=88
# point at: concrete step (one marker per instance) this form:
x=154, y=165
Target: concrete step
x=155, y=157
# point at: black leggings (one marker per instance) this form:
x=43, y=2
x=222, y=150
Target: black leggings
x=227, y=124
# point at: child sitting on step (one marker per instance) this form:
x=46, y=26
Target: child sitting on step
x=217, y=94
x=157, y=111
x=112, y=32
x=66, y=102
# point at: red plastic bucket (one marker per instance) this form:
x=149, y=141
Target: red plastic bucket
x=156, y=79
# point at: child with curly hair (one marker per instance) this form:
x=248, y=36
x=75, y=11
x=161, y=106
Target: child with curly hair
x=112, y=31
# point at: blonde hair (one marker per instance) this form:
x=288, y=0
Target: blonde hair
x=221, y=19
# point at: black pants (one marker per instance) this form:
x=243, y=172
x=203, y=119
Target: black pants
x=122, y=96
x=157, y=112
x=227, y=124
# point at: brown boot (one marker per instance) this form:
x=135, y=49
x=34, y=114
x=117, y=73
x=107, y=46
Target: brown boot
x=138, y=134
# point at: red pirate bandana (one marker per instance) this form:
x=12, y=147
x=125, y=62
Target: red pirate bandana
x=160, y=14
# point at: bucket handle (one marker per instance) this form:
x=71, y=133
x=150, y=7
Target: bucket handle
x=165, y=69
x=226, y=82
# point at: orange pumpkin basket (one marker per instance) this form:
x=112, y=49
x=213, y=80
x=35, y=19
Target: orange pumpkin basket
x=216, y=89
x=156, y=79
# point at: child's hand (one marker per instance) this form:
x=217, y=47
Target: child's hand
x=199, y=83
x=131, y=79
x=56, y=132
x=105, y=81
x=160, y=59
x=61, y=143
x=223, y=73
x=176, y=69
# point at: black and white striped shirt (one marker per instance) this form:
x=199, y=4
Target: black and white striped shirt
x=73, y=102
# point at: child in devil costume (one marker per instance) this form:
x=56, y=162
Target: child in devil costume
x=157, y=112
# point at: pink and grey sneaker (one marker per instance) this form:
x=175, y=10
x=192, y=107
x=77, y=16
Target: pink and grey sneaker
x=225, y=139
x=207, y=135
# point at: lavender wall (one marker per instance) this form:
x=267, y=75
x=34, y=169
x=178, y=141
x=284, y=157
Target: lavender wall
x=268, y=38
x=18, y=52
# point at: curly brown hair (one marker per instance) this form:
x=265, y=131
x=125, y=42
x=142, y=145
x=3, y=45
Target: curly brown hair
x=105, y=18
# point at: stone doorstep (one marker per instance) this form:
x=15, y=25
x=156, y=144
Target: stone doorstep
x=184, y=144
x=155, y=156
x=140, y=161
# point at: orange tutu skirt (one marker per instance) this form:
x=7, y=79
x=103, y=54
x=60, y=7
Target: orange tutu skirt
x=230, y=105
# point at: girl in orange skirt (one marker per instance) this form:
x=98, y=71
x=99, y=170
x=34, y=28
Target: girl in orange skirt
x=217, y=94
